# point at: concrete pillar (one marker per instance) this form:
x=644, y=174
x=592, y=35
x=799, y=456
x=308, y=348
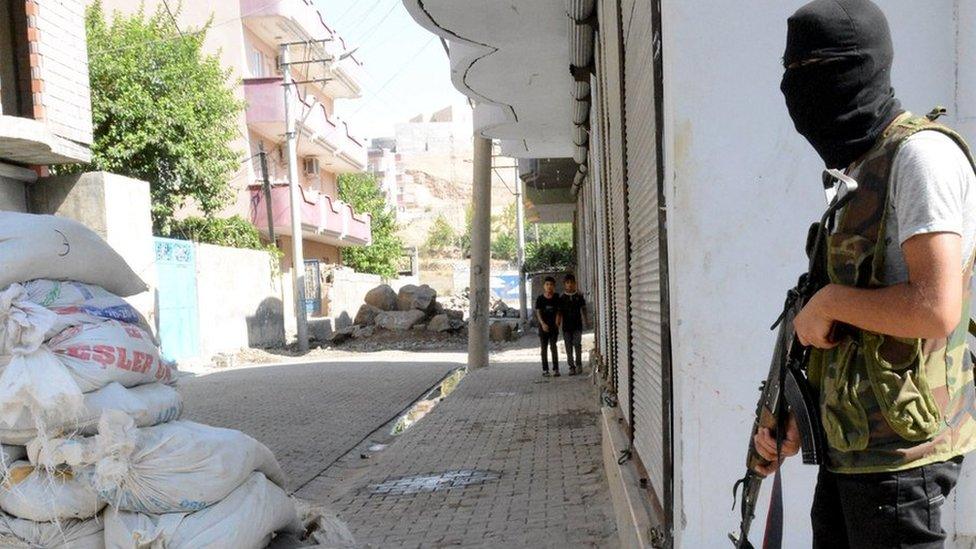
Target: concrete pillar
x=480, y=255
x=520, y=229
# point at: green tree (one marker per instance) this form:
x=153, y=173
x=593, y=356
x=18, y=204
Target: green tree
x=363, y=192
x=163, y=111
x=441, y=235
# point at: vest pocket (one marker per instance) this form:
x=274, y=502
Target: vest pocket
x=849, y=259
x=895, y=367
x=844, y=417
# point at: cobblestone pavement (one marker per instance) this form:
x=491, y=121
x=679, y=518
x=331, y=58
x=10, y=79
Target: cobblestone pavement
x=310, y=415
x=510, y=459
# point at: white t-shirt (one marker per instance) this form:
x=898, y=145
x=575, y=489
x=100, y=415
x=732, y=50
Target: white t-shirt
x=934, y=190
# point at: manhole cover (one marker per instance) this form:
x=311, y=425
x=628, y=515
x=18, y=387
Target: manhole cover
x=432, y=483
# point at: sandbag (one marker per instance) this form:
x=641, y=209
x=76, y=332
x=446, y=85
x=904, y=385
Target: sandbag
x=147, y=405
x=98, y=354
x=56, y=248
x=39, y=495
x=10, y=454
x=18, y=533
x=79, y=303
x=246, y=519
x=170, y=468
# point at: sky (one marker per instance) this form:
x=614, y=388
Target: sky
x=407, y=71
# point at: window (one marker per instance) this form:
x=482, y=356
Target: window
x=258, y=64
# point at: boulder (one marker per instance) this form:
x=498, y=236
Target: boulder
x=342, y=335
x=421, y=298
x=501, y=331
x=457, y=325
x=367, y=315
x=363, y=331
x=440, y=323
x=420, y=327
x=382, y=297
x=399, y=320
x=454, y=314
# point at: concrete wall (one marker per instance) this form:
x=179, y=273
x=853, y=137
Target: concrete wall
x=240, y=300
x=742, y=188
x=13, y=195
x=117, y=208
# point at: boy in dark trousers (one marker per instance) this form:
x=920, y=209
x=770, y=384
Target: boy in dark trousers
x=572, y=319
x=546, y=311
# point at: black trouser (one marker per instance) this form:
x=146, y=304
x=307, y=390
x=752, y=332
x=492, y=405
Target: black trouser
x=548, y=341
x=883, y=510
x=574, y=345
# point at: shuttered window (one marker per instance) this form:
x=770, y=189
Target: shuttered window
x=644, y=269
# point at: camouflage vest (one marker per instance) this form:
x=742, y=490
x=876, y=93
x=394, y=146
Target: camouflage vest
x=890, y=403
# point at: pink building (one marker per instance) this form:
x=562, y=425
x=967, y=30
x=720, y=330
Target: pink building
x=247, y=36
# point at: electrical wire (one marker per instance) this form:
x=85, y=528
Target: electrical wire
x=183, y=35
x=395, y=75
x=363, y=39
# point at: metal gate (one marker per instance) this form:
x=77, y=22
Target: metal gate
x=644, y=271
x=176, y=270
x=611, y=40
x=313, y=287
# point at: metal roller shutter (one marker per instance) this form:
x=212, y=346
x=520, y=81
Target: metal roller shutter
x=644, y=268
x=617, y=189
x=602, y=259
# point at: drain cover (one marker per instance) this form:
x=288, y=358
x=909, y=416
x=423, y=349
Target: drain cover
x=432, y=483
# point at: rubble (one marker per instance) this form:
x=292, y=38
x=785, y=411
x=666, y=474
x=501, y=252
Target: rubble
x=366, y=315
x=399, y=320
x=421, y=298
x=382, y=297
x=440, y=323
x=502, y=331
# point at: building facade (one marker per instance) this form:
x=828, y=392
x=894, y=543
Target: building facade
x=659, y=129
x=248, y=35
x=45, y=107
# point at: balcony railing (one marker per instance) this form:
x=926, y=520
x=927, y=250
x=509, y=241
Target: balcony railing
x=322, y=135
x=278, y=21
x=324, y=219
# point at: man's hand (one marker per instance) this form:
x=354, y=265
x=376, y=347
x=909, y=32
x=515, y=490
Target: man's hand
x=544, y=326
x=813, y=325
x=765, y=444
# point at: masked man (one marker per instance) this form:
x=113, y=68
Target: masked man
x=896, y=390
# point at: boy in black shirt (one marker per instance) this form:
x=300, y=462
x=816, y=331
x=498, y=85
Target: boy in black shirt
x=546, y=311
x=572, y=319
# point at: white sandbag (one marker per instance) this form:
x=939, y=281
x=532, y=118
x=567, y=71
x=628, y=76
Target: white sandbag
x=18, y=533
x=246, y=519
x=98, y=354
x=147, y=405
x=10, y=454
x=32, y=378
x=170, y=468
x=57, y=248
x=36, y=494
x=79, y=303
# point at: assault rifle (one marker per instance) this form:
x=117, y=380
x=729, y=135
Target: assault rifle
x=786, y=388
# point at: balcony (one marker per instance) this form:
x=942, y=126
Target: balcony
x=320, y=135
x=324, y=219
x=275, y=22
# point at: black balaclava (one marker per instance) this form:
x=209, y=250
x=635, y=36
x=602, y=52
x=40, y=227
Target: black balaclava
x=842, y=103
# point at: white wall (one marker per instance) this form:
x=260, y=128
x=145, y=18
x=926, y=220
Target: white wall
x=742, y=189
x=239, y=298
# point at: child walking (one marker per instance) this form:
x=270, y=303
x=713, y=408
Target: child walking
x=546, y=311
x=572, y=319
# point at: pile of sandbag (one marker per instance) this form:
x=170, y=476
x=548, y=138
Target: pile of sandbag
x=92, y=451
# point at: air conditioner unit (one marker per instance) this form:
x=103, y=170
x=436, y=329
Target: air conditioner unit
x=311, y=166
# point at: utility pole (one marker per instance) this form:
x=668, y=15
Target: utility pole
x=480, y=255
x=267, y=192
x=520, y=249
x=297, y=253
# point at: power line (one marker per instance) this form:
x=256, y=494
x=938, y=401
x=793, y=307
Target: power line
x=367, y=12
x=182, y=34
x=172, y=17
x=395, y=75
x=369, y=33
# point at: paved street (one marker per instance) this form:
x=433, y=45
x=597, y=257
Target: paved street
x=507, y=460
x=312, y=414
